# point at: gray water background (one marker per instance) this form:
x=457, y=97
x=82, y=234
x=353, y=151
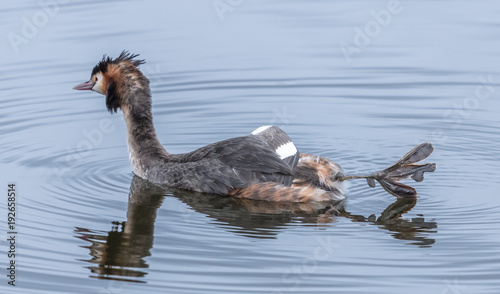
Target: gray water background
x=429, y=72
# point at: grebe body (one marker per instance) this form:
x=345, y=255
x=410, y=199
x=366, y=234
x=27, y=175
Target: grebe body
x=263, y=165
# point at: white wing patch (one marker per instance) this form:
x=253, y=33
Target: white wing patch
x=286, y=150
x=260, y=130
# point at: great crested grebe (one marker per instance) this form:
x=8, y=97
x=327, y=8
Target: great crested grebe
x=264, y=165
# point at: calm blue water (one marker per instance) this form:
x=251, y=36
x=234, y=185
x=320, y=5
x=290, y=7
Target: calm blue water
x=360, y=82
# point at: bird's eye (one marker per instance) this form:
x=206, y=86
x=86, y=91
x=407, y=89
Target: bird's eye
x=96, y=78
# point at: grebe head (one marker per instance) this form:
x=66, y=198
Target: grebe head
x=115, y=79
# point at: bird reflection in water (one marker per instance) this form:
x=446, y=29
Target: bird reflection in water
x=120, y=254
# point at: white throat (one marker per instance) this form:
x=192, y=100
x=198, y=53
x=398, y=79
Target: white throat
x=133, y=155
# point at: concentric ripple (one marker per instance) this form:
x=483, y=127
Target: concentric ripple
x=85, y=224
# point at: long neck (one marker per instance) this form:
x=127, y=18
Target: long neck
x=146, y=154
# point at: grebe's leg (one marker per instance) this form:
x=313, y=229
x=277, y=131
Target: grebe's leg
x=389, y=178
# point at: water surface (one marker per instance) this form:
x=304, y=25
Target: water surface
x=429, y=72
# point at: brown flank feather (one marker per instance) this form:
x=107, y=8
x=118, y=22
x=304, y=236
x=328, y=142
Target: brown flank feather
x=270, y=191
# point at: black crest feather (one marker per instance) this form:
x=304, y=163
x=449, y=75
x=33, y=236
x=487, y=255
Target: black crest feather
x=102, y=66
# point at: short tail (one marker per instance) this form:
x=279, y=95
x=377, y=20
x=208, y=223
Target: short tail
x=389, y=178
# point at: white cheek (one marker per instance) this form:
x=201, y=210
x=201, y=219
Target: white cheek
x=98, y=86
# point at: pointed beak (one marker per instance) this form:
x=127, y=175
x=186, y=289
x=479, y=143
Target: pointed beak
x=84, y=86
